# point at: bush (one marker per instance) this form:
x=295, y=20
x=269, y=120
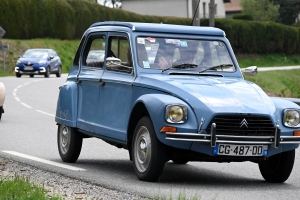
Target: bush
x=243, y=17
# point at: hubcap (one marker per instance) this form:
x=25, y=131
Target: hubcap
x=142, y=150
x=64, y=140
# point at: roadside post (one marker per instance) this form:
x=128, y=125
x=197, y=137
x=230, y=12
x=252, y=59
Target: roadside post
x=3, y=47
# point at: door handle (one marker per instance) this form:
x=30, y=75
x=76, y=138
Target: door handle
x=101, y=82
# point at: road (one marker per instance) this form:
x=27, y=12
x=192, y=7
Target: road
x=28, y=135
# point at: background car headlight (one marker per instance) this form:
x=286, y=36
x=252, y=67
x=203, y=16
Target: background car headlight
x=41, y=62
x=291, y=118
x=176, y=113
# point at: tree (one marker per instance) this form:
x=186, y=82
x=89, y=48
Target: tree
x=288, y=11
x=261, y=10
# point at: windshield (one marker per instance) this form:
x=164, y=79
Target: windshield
x=183, y=54
x=35, y=54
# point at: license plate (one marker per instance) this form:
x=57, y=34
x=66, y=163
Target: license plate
x=240, y=150
x=28, y=68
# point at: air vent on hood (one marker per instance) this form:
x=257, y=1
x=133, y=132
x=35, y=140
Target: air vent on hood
x=194, y=74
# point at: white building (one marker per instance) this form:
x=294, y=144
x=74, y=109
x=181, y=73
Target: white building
x=175, y=8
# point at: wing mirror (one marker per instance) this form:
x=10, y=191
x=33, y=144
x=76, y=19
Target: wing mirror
x=251, y=71
x=112, y=62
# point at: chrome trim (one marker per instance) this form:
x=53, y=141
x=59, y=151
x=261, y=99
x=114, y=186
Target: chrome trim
x=233, y=139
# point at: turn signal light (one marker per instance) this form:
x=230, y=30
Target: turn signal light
x=297, y=133
x=169, y=129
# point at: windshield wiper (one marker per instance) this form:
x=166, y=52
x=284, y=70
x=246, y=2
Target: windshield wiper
x=216, y=66
x=181, y=66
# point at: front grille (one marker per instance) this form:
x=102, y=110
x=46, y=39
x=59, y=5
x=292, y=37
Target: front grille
x=243, y=125
x=28, y=64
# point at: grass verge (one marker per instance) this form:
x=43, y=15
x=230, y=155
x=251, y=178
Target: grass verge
x=22, y=188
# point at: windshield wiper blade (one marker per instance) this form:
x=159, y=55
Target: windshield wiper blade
x=181, y=66
x=216, y=66
x=185, y=65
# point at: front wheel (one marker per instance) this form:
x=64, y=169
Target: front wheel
x=58, y=74
x=278, y=168
x=148, y=153
x=47, y=73
x=1, y=111
x=18, y=75
x=69, y=143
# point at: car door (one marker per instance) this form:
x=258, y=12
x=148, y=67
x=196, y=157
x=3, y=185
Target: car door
x=115, y=97
x=88, y=81
x=53, y=60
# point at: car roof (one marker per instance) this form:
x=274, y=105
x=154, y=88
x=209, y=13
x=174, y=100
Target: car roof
x=162, y=28
x=40, y=49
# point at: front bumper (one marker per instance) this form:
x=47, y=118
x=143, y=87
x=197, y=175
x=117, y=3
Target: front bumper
x=212, y=138
x=40, y=70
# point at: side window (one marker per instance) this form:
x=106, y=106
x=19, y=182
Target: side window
x=119, y=47
x=94, y=52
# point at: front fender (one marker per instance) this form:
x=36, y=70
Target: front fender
x=156, y=106
x=66, y=109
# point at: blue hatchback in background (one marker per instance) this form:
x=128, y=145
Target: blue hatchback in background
x=39, y=62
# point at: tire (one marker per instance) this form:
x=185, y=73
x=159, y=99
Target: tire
x=148, y=153
x=47, y=73
x=58, y=74
x=1, y=111
x=69, y=143
x=18, y=75
x=31, y=75
x=278, y=168
x=180, y=161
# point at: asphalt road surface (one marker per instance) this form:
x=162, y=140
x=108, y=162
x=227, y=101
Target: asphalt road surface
x=28, y=134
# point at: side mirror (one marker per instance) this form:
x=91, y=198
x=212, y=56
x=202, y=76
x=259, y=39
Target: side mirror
x=251, y=71
x=115, y=64
x=112, y=62
x=51, y=57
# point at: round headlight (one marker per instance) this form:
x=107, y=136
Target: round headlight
x=292, y=118
x=176, y=113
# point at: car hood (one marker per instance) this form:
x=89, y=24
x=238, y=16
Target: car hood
x=32, y=60
x=213, y=94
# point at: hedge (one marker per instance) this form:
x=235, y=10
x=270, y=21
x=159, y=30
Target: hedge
x=68, y=19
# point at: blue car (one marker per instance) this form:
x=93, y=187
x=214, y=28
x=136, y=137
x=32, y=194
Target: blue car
x=39, y=62
x=172, y=93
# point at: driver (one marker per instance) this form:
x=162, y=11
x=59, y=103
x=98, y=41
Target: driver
x=188, y=51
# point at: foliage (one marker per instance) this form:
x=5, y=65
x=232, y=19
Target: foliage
x=252, y=37
x=243, y=17
x=288, y=11
x=261, y=10
x=21, y=188
x=67, y=19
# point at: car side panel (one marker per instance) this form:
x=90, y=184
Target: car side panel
x=66, y=110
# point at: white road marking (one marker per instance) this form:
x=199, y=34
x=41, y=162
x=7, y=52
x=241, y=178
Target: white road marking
x=20, y=86
x=17, y=98
x=45, y=113
x=26, y=105
x=44, y=161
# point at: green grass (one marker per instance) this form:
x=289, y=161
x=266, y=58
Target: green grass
x=284, y=83
x=269, y=60
x=21, y=189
